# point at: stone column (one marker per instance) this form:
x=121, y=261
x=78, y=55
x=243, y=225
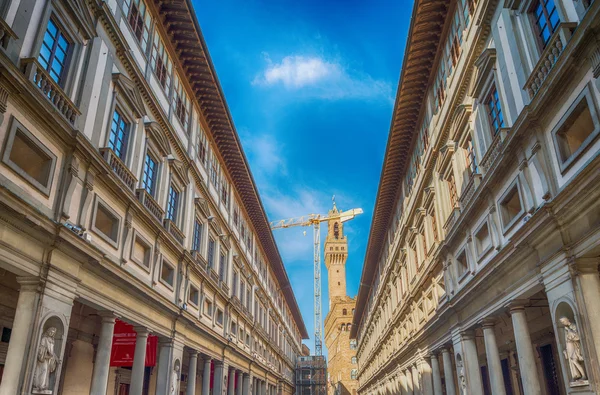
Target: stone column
x=219, y=379
x=471, y=362
x=448, y=372
x=192, y=371
x=415, y=378
x=587, y=270
x=493, y=358
x=403, y=385
x=163, y=377
x=231, y=384
x=409, y=382
x=139, y=361
x=426, y=376
x=102, y=361
x=527, y=366
x=19, y=338
x=437, y=376
x=240, y=383
x=245, y=384
x=206, y=377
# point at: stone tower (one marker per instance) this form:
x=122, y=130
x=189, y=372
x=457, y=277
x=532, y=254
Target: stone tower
x=336, y=253
x=340, y=352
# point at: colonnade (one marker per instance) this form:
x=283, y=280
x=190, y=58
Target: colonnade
x=453, y=368
x=227, y=379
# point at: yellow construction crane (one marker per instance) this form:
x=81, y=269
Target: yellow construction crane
x=315, y=220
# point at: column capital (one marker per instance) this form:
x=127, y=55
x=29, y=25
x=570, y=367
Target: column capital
x=107, y=316
x=467, y=334
x=584, y=265
x=193, y=353
x=141, y=331
x=28, y=283
x=165, y=341
x=445, y=350
x=517, y=305
x=488, y=322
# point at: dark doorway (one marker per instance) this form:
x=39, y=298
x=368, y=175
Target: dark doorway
x=550, y=371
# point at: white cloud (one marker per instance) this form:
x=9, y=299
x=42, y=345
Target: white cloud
x=314, y=76
x=265, y=154
x=297, y=71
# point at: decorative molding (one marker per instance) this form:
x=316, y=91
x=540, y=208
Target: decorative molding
x=130, y=93
x=484, y=66
x=158, y=136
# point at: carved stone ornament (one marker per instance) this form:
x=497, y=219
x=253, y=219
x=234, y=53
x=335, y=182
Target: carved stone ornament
x=174, y=380
x=46, y=363
x=572, y=351
x=462, y=381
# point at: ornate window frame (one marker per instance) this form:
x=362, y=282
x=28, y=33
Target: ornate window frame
x=18, y=127
x=514, y=185
x=98, y=201
x=565, y=164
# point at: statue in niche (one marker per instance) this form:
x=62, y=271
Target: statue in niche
x=572, y=350
x=46, y=363
x=462, y=382
x=174, y=380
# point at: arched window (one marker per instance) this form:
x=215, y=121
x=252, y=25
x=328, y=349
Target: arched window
x=345, y=312
x=354, y=360
x=353, y=374
x=336, y=230
x=349, y=326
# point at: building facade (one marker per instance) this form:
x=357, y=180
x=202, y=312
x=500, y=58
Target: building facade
x=311, y=375
x=341, y=351
x=481, y=272
x=135, y=255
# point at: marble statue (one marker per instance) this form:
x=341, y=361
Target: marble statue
x=461, y=376
x=174, y=380
x=46, y=363
x=572, y=350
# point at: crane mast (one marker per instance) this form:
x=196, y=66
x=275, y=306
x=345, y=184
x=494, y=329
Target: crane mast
x=315, y=220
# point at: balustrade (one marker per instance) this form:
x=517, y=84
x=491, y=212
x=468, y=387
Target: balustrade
x=40, y=78
x=119, y=168
x=549, y=57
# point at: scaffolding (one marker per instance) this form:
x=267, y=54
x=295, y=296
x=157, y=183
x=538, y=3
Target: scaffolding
x=311, y=375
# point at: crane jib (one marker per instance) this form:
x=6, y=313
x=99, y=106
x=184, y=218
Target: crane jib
x=315, y=220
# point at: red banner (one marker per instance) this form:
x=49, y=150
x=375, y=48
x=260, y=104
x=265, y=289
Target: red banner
x=123, y=346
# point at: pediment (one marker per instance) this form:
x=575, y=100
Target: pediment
x=202, y=205
x=157, y=135
x=179, y=169
x=82, y=17
x=460, y=119
x=214, y=224
x=484, y=66
x=130, y=93
x=445, y=155
x=226, y=241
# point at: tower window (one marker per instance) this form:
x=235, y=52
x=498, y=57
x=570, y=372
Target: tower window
x=336, y=230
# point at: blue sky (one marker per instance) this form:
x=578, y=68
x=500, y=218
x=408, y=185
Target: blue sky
x=310, y=85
